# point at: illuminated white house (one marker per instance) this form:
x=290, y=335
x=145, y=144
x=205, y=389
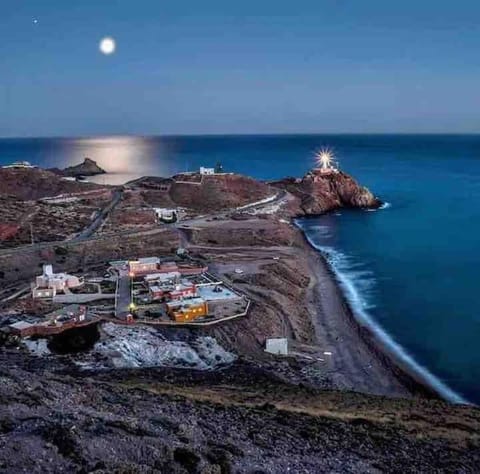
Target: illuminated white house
x=48, y=284
x=204, y=171
x=166, y=215
x=143, y=266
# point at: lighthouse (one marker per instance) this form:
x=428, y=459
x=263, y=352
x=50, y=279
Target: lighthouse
x=325, y=162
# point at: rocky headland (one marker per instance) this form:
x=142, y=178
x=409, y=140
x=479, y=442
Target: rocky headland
x=322, y=192
x=88, y=167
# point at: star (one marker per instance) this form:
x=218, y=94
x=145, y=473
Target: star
x=35, y=21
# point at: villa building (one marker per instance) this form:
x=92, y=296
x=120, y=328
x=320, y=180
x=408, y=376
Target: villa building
x=172, y=290
x=143, y=266
x=166, y=215
x=187, y=310
x=206, y=171
x=163, y=278
x=49, y=284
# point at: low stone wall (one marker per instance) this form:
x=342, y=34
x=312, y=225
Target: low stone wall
x=82, y=298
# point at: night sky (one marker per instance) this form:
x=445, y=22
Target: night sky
x=263, y=66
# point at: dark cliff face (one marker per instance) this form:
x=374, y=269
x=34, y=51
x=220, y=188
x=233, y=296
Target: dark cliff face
x=320, y=193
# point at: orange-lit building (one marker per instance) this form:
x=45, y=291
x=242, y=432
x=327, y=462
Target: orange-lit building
x=143, y=266
x=188, y=310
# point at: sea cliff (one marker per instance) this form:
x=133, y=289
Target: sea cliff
x=319, y=192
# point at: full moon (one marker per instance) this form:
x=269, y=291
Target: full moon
x=107, y=46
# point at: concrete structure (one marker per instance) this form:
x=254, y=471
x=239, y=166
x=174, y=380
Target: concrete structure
x=22, y=329
x=20, y=165
x=172, y=290
x=152, y=266
x=216, y=292
x=49, y=284
x=168, y=277
x=187, y=310
x=57, y=322
x=143, y=266
x=183, y=290
x=166, y=215
x=277, y=346
x=43, y=293
x=186, y=269
x=204, y=171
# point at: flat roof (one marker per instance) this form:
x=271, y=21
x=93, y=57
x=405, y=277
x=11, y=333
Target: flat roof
x=161, y=276
x=187, y=302
x=146, y=260
x=208, y=293
x=21, y=325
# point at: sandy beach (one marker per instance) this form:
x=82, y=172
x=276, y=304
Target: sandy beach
x=362, y=361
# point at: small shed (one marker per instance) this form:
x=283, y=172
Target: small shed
x=277, y=346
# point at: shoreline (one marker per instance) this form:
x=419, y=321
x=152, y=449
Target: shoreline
x=415, y=378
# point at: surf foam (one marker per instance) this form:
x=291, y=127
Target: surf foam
x=339, y=263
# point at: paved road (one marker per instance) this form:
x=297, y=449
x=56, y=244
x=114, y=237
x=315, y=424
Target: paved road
x=88, y=234
x=93, y=227
x=124, y=296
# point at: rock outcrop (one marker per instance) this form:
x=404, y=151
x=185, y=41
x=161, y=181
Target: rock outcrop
x=89, y=167
x=322, y=192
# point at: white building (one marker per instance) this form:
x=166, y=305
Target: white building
x=48, y=283
x=168, y=215
x=278, y=346
x=204, y=170
x=163, y=277
x=19, y=165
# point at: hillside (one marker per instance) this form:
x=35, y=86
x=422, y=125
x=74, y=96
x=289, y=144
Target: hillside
x=36, y=183
x=239, y=420
x=203, y=193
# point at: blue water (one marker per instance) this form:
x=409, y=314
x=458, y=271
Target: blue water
x=412, y=267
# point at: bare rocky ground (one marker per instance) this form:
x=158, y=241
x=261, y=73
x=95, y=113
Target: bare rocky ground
x=21, y=219
x=241, y=419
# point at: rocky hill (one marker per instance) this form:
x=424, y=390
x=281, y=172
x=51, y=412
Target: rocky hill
x=89, y=167
x=36, y=183
x=203, y=193
x=239, y=420
x=319, y=193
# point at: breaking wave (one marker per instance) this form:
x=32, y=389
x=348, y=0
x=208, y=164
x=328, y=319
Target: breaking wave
x=357, y=285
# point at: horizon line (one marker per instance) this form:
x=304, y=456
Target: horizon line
x=241, y=134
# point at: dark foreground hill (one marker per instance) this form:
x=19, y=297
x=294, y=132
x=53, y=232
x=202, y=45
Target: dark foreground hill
x=239, y=420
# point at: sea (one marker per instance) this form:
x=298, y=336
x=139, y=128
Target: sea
x=410, y=269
